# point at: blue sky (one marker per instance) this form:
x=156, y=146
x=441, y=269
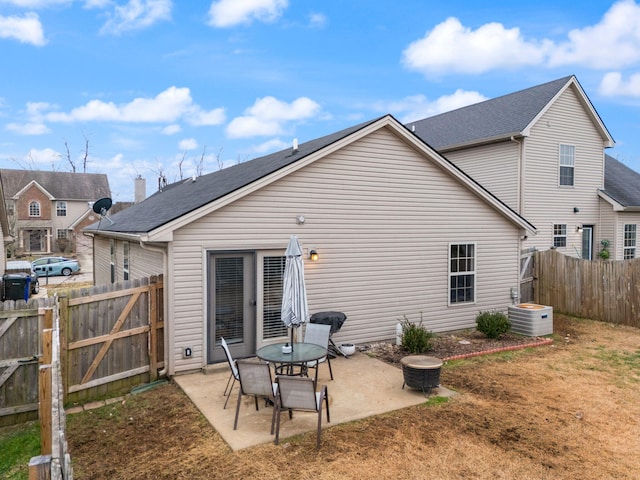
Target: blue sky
x=143, y=87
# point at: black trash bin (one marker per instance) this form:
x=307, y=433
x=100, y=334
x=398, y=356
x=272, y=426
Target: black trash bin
x=16, y=286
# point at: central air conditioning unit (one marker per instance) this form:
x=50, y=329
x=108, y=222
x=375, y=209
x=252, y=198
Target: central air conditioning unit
x=531, y=319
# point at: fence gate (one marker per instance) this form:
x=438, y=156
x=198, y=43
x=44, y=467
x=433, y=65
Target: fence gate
x=527, y=264
x=112, y=338
x=19, y=352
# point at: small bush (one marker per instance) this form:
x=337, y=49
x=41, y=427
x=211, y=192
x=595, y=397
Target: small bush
x=415, y=338
x=493, y=324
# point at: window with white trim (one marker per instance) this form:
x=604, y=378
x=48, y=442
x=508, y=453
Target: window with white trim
x=62, y=233
x=560, y=235
x=629, y=250
x=112, y=263
x=61, y=209
x=125, y=260
x=272, y=274
x=462, y=273
x=34, y=209
x=567, y=164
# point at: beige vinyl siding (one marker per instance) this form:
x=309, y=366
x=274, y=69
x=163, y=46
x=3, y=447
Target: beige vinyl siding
x=381, y=217
x=495, y=167
x=623, y=218
x=143, y=263
x=608, y=222
x=545, y=202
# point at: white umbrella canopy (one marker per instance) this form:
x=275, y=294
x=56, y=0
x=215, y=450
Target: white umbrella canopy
x=295, y=310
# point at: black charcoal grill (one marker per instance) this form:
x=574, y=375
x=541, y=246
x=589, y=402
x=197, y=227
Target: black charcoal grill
x=335, y=319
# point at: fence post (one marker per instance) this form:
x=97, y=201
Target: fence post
x=40, y=467
x=44, y=408
x=153, y=328
x=63, y=320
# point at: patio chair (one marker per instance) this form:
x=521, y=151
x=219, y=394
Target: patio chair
x=255, y=379
x=234, y=371
x=318, y=334
x=299, y=393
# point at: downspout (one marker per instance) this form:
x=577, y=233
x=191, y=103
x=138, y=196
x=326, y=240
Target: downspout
x=520, y=206
x=165, y=300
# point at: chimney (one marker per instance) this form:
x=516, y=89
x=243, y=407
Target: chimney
x=140, y=189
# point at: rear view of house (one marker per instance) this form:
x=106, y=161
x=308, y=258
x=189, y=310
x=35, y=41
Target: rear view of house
x=398, y=231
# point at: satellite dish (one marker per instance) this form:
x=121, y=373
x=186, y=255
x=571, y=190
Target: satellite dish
x=102, y=206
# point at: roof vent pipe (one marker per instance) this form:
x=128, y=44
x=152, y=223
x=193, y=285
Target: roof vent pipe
x=295, y=145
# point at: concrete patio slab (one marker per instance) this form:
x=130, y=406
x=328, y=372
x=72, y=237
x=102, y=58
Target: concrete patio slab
x=362, y=386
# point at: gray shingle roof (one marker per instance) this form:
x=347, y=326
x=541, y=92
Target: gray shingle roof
x=500, y=117
x=621, y=183
x=61, y=185
x=180, y=198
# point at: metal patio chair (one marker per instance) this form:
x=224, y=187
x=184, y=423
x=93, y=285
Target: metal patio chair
x=255, y=379
x=234, y=371
x=299, y=393
x=318, y=334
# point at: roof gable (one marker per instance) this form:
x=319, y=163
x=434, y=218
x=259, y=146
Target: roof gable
x=194, y=197
x=58, y=185
x=500, y=118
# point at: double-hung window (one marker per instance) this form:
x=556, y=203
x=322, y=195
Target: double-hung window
x=61, y=209
x=125, y=260
x=629, y=241
x=560, y=235
x=462, y=273
x=34, y=209
x=567, y=165
x=273, y=273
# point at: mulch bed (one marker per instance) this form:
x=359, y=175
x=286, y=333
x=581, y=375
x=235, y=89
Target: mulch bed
x=455, y=346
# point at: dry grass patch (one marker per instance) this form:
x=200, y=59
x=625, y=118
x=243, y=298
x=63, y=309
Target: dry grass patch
x=562, y=412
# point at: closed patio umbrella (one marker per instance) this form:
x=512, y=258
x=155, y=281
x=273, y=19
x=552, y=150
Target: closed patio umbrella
x=295, y=310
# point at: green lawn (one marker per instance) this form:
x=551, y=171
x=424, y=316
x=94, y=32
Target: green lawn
x=18, y=444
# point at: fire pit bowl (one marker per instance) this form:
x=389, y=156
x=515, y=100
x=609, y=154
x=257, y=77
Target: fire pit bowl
x=421, y=372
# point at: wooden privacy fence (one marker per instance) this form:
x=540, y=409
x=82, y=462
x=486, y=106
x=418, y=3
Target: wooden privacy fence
x=21, y=325
x=602, y=290
x=112, y=338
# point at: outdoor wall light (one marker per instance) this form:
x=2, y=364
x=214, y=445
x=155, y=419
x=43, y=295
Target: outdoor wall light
x=313, y=256
x=576, y=209
x=579, y=228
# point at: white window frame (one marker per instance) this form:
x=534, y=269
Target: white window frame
x=566, y=160
x=61, y=209
x=125, y=260
x=462, y=270
x=559, y=235
x=62, y=233
x=629, y=241
x=34, y=208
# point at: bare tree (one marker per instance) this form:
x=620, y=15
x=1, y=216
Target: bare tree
x=200, y=164
x=85, y=158
x=68, y=157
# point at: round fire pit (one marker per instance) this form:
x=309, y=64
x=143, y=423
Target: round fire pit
x=421, y=372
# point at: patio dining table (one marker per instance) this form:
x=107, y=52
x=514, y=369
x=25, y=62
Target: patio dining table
x=286, y=362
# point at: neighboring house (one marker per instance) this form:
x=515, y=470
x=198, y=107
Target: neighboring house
x=620, y=206
x=399, y=230
x=541, y=151
x=48, y=210
x=5, y=236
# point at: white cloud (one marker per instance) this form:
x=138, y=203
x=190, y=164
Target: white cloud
x=137, y=15
x=169, y=106
x=32, y=128
x=188, y=144
x=614, y=42
x=612, y=85
x=269, y=146
x=317, y=20
x=451, y=47
x=45, y=156
x=268, y=116
x=417, y=107
x=36, y=3
x=171, y=129
x=227, y=13
x=26, y=29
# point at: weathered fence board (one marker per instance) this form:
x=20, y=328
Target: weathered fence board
x=602, y=290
